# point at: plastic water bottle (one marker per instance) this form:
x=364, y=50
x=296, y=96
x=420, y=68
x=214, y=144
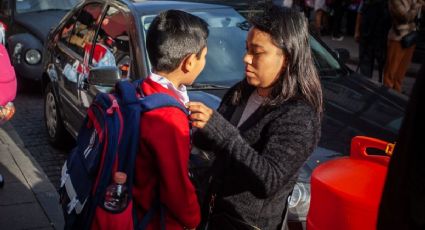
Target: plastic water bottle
x=116, y=196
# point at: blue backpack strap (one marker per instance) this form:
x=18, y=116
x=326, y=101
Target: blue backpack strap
x=160, y=100
x=126, y=91
x=112, y=127
x=131, y=110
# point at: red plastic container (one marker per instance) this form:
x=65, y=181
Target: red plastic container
x=345, y=192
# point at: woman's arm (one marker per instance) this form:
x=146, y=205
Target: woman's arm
x=291, y=138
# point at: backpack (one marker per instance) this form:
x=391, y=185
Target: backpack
x=108, y=142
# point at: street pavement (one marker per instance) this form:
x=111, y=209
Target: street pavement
x=31, y=167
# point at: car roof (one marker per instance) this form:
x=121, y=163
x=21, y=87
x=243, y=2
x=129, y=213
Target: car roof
x=155, y=6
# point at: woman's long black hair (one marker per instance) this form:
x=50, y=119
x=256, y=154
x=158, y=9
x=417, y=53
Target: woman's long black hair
x=288, y=30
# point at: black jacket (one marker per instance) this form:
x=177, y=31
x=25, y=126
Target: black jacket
x=403, y=199
x=257, y=164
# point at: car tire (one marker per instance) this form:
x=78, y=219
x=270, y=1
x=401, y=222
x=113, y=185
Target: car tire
x=52, y=118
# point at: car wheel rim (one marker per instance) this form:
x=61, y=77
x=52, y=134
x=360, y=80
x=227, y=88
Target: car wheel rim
x=51, y=114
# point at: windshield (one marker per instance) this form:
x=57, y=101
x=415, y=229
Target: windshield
x=27, y=6
x=326, y=64
x=226, y=46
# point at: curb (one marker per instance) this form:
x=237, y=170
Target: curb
x=43, y=190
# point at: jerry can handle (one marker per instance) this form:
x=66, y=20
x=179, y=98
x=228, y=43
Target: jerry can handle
x=360, y=144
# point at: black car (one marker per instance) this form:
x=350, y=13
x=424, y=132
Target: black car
x=98, y=34
x=27, y=24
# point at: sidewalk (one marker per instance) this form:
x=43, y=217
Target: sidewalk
x=27, y=200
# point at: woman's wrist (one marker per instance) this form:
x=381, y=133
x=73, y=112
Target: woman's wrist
x=218, y=130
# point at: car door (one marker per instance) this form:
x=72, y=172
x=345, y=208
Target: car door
x=76, y=37
x=111, y=48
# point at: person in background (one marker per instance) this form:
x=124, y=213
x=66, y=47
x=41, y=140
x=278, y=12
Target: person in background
x=320, y=16
x=403, y=200
x=7, y=86
x=8, y=82
x=372, y=25
x=337, y=9
x=308, y=8
x=403, y=14
x=265, y=128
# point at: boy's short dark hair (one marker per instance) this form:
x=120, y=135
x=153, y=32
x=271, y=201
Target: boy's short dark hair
x=172, y=36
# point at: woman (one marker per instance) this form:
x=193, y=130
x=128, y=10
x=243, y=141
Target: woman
x=403, y=14
x=265, y=128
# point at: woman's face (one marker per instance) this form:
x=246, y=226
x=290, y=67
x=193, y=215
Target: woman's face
x=264, y=62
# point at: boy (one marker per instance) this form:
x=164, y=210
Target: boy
x=177, y=46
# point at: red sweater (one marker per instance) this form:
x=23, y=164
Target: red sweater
x=163, y=160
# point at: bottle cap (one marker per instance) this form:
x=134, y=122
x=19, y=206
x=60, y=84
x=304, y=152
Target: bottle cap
x=120, y=177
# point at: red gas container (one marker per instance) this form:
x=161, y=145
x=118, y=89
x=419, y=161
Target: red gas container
x=345, y=192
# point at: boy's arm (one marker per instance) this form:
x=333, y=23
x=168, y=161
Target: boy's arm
x=170, y=140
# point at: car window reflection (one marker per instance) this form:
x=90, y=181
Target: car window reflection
x=112, y=43
x=85, y=28
x=27, y=6
x=225, y=49
x=326, y=64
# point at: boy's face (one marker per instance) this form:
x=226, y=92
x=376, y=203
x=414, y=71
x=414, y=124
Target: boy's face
x=198, y=65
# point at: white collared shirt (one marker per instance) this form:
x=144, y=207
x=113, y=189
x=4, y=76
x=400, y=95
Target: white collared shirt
x=181, y=92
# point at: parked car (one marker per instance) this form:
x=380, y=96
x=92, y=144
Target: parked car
x=98, y=34
x=27, y=23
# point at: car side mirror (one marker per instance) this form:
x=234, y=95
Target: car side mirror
x=342, y=54
x=104, y=76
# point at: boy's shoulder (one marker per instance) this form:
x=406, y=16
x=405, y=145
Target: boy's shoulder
x=162, y=122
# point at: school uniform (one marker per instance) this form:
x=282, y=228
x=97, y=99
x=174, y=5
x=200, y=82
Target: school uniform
x=162, y=161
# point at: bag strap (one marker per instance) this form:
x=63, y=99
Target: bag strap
x=160, y=100
x=126, y=93
x=108, y=108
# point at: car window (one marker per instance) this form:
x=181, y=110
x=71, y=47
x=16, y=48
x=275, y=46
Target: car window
x=224, y=59
x=27, y=6
x=67, y=29
x=84, y=28
x=326, y=64
x=112, y=42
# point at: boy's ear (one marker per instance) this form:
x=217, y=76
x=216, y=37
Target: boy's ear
x=189, y=63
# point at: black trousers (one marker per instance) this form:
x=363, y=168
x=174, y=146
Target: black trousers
x=371, y=51
x=374, y=28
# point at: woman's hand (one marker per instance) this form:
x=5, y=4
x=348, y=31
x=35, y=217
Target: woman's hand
x=199, y=114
